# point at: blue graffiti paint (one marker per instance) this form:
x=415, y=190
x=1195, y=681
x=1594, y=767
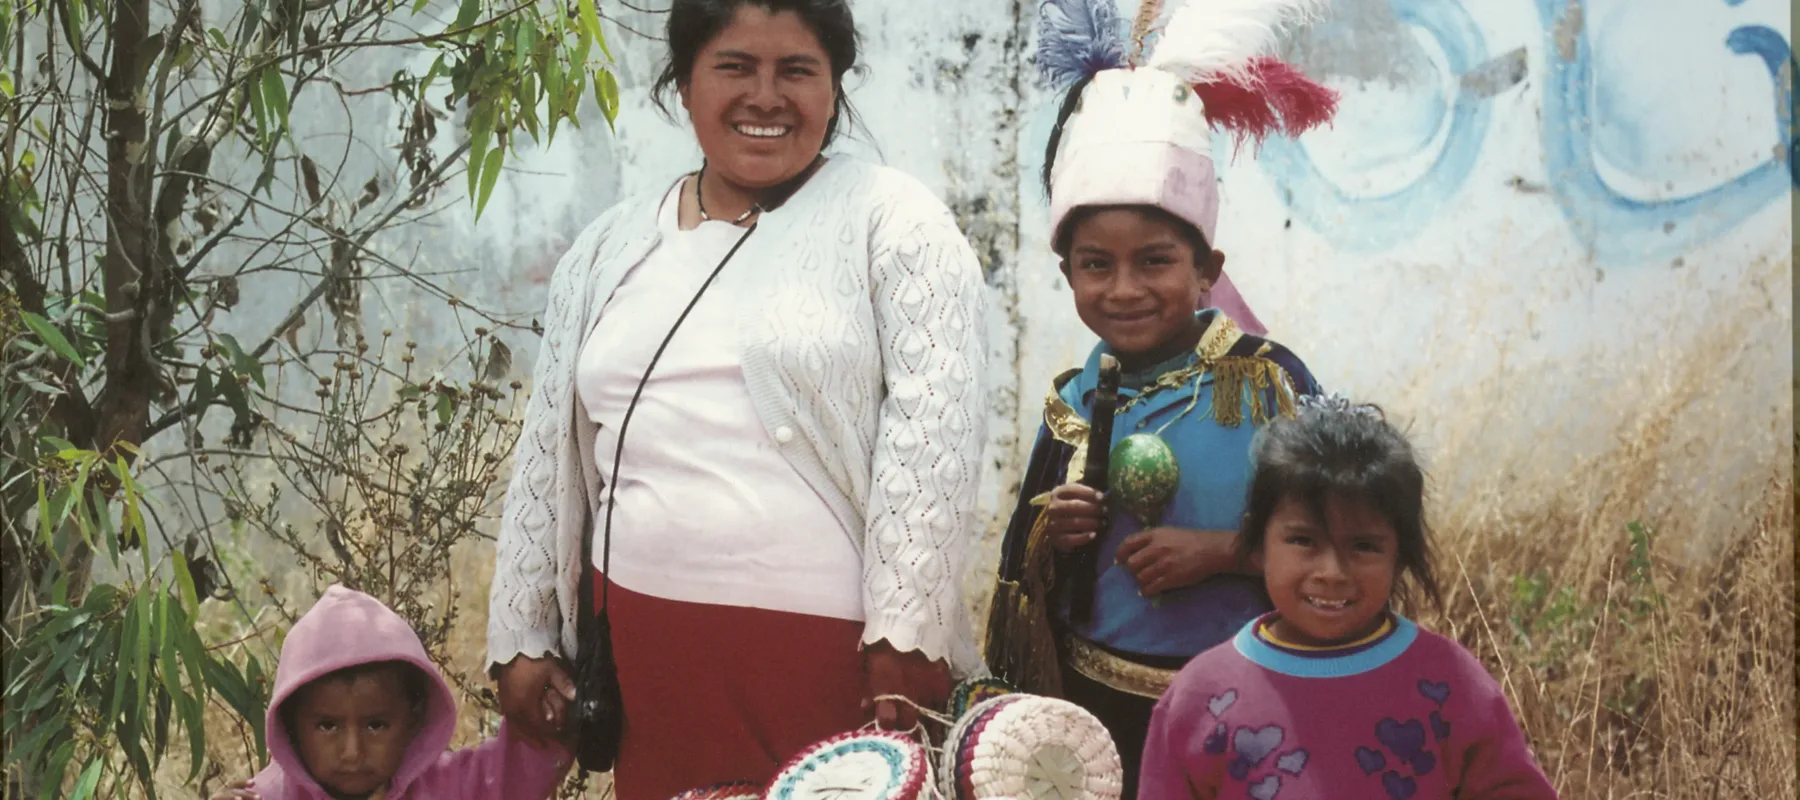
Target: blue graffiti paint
x=1372, y=224
x=1776, y=54
x=1618, y=229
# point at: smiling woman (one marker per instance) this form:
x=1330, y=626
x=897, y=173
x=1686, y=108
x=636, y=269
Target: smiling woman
x=780, y=539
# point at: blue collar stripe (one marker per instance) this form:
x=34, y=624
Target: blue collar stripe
x=1269, y=657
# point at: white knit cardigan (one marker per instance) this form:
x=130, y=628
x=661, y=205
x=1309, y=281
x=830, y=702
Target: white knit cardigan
x=863, y=348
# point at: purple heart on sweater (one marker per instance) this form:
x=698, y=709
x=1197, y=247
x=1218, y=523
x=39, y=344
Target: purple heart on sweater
x=1406, y=739
x=1239, y=769
x=1292, y=763
x=1266, y=788
x=1439, y=727
x=1397, y=787
x=1371, y=761
x=1423, y=763
x=1437, y=692
x=1256, y=745
x=1216, y=741
x=1222, y=703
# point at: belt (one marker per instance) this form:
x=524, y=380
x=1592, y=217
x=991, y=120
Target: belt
x=1116, y=672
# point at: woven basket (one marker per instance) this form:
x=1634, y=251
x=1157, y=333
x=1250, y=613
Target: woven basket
x=737, y=790
x=866, y=765
x=1026, y=747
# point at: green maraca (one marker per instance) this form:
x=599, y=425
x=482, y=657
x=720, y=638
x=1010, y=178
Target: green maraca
x=1143, y=477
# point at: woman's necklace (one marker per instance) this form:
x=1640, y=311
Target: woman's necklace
x=699, y=180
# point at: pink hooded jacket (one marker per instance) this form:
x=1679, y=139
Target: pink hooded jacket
x=346, y=628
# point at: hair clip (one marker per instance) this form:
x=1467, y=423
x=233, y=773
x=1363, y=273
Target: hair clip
x=1338, y=404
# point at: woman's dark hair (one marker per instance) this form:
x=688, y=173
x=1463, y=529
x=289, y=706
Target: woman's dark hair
x=694, y=23
x=1322, y=452
x=1060, y=238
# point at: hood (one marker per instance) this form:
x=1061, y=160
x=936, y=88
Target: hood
x=344, y=629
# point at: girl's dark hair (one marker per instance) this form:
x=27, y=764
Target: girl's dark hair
x=1322, y=452
x=1060, y=237
x=694, y=23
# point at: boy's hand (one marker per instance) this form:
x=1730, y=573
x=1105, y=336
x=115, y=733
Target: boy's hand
x=237, y=791
x=1074, y=515
x=1163, y=559
x=535, y=694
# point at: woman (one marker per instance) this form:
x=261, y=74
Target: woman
x=799, y=475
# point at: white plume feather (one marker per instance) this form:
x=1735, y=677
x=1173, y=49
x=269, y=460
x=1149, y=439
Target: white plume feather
x=1210, y=40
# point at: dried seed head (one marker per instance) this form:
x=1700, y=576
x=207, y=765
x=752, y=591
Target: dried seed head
x=516, y=385
x=481, y=331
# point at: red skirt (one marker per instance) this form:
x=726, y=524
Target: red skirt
x=724, y=693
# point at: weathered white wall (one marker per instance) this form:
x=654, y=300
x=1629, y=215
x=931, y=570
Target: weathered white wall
x=1532, y=219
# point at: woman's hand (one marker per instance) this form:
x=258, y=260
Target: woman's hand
x=1171, y=558
x=1074, y=515
x=909, y=675
x=237, y=791
x=535, y=694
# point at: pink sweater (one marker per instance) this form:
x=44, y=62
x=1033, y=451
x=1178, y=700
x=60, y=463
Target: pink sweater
x=1410, y=716
x=346, y=628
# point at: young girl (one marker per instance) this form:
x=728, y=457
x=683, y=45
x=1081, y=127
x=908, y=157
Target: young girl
x=360, y=713
x=1134, y=208
x=1334, y=694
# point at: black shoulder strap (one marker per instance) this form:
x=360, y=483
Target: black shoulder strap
x=586, y=591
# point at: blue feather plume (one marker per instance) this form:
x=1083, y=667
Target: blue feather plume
x=1077, y=38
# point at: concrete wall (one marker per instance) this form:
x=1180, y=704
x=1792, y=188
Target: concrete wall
x=1533, y=221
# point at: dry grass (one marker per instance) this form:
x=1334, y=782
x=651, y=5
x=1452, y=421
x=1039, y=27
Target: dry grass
x=1654, y=665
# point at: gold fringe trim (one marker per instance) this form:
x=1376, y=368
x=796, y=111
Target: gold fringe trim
x=1117, y=673
x=1231, y=376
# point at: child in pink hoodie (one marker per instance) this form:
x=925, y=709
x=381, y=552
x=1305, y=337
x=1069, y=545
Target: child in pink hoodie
x=360, y=713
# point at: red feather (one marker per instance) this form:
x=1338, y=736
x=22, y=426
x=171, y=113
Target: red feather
x=1276, y=98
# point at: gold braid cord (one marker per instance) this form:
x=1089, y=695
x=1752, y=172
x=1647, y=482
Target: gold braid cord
x=1148, y=11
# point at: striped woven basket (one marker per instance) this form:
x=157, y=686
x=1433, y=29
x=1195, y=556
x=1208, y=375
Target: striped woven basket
x=1026, y=747
x=737, y=790
x=865, y=765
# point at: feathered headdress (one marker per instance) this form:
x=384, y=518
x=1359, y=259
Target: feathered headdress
x=1223, y=49
x=1141, y=131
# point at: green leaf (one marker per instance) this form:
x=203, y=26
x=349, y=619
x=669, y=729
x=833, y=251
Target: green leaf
x=218, y=38
x=243, y=363
x=43, y=505
x=203, y=392
x=6, y=85
x=524, y=46
x=252, y=23
x=465, y=16
x=52, y=338
x=606, y=93
x=274, y=91
x=141, y=657
x=190, y=601
x=90, y=778
x=445, y=408
x=490, y=174
x=590, y=20
x=258, y=111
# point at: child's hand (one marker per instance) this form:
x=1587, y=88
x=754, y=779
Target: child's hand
x=237, y=791
x=534, y=695
x=1170, y=558
x=1074, y=516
